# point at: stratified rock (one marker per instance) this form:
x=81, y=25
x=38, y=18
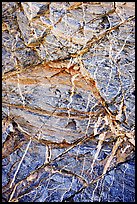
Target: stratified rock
x=68, y=101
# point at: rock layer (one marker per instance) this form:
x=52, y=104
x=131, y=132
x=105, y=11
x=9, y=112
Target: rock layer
x=68, y=101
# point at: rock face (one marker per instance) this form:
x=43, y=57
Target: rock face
x=68, y=101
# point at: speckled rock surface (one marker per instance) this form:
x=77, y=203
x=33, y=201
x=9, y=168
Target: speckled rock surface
x=68, y=120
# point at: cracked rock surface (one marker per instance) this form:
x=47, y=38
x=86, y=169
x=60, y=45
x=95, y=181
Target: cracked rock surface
x=68, y=106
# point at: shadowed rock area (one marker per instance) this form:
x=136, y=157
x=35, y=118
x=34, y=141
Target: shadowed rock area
x=68, y=101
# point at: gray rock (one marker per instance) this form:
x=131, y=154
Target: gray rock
x=68, y=102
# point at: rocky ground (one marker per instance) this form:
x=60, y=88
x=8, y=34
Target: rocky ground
x=68, y=120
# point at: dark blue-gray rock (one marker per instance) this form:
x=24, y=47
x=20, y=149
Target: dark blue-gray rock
x=68, y=102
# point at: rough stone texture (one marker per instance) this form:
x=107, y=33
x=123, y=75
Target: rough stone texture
x=68, y=101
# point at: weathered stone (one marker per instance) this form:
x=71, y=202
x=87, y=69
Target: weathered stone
x=68, y=101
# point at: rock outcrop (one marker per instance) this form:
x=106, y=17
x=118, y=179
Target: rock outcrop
x=68, y=101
